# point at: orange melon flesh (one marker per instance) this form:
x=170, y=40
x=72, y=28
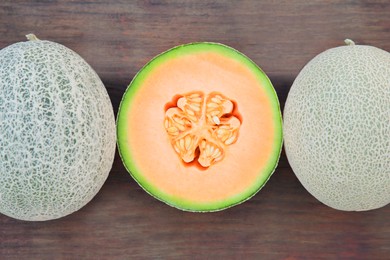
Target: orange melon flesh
x=146, y=148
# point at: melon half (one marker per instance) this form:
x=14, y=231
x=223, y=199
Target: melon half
x=200, y=127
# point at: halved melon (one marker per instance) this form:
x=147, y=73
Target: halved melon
x=200, y=127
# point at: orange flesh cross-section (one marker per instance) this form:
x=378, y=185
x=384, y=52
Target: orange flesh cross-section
x=202, y=123
x=161, y=154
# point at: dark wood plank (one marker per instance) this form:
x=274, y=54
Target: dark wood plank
x=282, y=221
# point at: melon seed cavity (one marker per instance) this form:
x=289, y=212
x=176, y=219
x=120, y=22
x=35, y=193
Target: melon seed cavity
x=200, y=127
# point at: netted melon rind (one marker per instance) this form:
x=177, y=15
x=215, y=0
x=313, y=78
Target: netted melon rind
x=337, y=127
x=57, y=131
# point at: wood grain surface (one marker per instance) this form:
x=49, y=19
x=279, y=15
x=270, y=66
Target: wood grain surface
x=283, y=221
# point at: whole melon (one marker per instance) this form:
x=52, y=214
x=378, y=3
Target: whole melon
x=57, y=131
x=337, y=127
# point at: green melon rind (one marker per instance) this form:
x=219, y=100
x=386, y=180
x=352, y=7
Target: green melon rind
x=126, y=153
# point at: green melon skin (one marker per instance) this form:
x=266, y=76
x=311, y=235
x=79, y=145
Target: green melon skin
x=57, y=131
x=127, y=154
x=337, y=127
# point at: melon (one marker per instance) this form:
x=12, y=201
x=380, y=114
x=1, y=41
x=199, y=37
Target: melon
x=57, y=131
x=337, y=127
x=200, y=128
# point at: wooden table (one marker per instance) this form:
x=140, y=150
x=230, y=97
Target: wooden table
x=283, y=221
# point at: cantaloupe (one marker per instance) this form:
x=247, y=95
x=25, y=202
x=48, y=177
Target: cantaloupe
x=337, y=127
x=200, y=128
x=57, y=131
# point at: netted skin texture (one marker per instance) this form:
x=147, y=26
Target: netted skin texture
x=337, y=127
x=57, y=131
